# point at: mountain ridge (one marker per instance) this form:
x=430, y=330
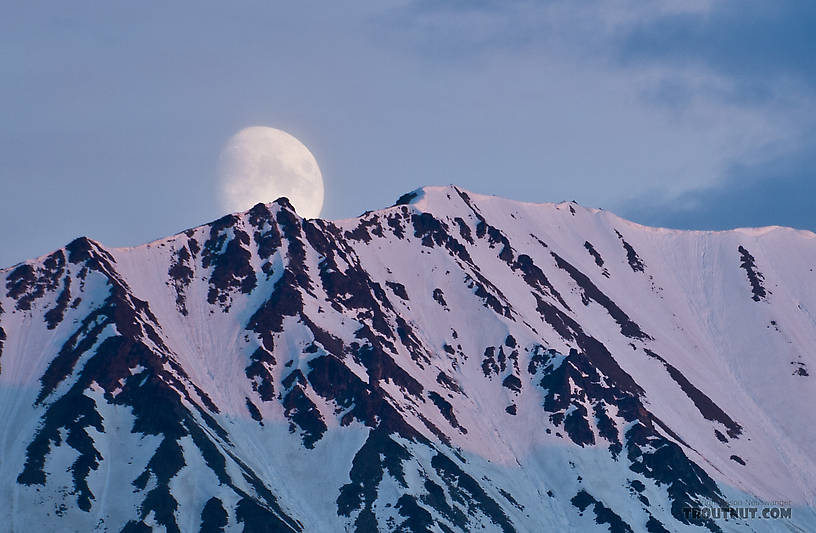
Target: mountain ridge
x=447, y=359
x=750, y=230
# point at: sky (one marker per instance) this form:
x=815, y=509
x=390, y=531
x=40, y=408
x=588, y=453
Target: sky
x=681, y=113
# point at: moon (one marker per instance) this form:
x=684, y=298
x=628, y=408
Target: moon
x=261, y=164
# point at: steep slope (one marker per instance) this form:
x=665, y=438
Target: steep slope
x=454, y=362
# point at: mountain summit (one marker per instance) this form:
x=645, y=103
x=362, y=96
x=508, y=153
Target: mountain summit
x=453, y=363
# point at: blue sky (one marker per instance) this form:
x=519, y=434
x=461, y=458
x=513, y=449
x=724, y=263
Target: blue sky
x=689, y=114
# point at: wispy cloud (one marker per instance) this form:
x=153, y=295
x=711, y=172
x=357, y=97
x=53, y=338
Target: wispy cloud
x=777, y=192
x=657, y=99
x=755, y=43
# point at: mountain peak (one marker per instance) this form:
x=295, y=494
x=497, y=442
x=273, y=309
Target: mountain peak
x=451, y=363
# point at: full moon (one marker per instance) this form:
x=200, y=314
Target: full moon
x=261, y=164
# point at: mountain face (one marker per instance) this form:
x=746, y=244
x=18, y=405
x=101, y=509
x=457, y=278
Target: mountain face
x=455, y=362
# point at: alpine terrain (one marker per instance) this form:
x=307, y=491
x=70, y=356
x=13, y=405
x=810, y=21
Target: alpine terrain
x=453, y=363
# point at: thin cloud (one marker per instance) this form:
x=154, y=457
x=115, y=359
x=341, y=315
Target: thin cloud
x=627, y=98
x=779, y=192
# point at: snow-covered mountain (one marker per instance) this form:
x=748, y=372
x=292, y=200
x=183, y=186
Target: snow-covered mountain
x=455, y=362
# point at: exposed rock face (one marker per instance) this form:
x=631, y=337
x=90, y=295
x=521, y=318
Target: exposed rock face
x=452, y=363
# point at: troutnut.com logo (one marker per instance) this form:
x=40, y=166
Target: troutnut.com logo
x=745, y=510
